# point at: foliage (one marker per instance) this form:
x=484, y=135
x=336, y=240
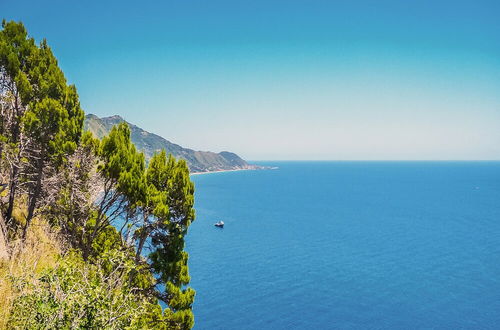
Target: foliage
x=168, y=214
x=120, y=224
x=150, y=143
x=76, y=294
x=42, y=119
x=38, y=253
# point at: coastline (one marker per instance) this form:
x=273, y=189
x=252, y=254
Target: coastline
x=220, y=171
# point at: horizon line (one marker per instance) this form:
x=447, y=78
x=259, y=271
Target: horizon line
x=373, y=160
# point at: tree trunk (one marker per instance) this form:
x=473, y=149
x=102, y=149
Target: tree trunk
x=140, y=246
x=33, y=198
x=16, y=137
x=146, y=230
x=12, y=196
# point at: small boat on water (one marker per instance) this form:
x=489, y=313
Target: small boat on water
x=219, y=224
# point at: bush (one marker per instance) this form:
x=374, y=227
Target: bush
x=75, y=294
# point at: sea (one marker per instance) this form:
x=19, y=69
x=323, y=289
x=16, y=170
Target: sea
x=348, y=245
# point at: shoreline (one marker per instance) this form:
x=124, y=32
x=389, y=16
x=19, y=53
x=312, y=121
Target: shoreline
x=220, y=171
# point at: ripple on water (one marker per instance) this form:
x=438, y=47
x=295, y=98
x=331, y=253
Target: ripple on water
x=349, y=246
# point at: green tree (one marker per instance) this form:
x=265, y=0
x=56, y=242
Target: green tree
x=53, y=123
x=43, y=121
x=99, y=196
x=123, y=182
x=170, y=185
x=71, y=192
x=17, y=53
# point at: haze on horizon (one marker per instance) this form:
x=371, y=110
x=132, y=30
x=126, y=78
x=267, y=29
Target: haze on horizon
x=336, y=80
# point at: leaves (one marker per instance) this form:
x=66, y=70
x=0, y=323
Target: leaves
x=104, y=202
x=76, y=294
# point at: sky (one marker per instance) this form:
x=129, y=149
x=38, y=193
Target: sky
x=287, y=80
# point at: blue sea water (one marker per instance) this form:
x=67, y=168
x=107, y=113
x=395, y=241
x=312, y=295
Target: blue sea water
x=348, y=245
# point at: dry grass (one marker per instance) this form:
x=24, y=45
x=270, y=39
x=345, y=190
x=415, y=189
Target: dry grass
x=40, y=251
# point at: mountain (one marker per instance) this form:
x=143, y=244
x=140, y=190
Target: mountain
x=149, y=143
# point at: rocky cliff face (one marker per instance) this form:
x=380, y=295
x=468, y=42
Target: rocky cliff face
x=149, y=143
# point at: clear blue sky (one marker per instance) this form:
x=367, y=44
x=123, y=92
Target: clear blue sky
x=287, y=79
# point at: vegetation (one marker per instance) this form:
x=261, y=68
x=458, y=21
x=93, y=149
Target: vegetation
x=149, y=143
x=91, y=236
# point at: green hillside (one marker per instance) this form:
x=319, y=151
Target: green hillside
x=149, y=143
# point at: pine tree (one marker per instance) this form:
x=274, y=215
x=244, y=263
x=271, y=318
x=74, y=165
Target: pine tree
x=43, y=120
x=96, y=194
x=123, y=182
x=53, y=123
x=171, y=186
x=17, y=53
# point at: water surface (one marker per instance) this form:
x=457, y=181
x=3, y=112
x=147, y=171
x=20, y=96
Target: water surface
x=350, y=245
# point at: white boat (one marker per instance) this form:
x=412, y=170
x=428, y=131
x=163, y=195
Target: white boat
x=219, y=224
